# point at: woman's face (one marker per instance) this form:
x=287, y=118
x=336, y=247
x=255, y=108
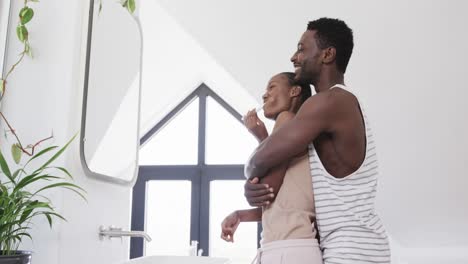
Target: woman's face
x=277, y=97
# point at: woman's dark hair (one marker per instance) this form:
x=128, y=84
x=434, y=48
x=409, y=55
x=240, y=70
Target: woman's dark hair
x=305, y=88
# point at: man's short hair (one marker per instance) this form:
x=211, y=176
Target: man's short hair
x=335, y=33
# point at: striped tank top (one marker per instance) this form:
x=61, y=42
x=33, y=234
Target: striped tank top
x=349, y=228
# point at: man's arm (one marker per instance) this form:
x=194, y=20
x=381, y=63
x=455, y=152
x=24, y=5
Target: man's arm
x=314, y=117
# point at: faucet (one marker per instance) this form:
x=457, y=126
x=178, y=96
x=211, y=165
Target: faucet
x=113, y=231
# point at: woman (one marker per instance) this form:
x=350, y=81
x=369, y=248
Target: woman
x=289, y=234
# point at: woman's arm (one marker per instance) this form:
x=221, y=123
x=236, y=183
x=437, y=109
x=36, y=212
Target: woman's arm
x=250, y=215
x=232, y=221
x=255, y=126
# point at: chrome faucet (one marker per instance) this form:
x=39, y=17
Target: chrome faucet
x=113, y=231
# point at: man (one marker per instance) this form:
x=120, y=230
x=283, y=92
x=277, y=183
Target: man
x=342, y=152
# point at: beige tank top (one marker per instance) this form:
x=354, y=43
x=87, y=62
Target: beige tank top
x=292, y=214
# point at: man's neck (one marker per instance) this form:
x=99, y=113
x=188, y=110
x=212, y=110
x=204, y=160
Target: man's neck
x=327, y=80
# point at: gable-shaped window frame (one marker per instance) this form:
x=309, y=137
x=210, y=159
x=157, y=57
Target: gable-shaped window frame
x=200, y=175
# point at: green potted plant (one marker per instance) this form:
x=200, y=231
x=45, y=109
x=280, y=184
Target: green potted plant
x=21, y=198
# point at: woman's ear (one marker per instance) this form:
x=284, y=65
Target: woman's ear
x=295, y=91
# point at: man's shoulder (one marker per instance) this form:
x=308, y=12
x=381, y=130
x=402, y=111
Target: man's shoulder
x=331, y=105
x=330, y=99
x=338, y=97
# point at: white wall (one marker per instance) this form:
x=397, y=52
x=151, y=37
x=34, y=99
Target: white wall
x=45, y=95
x=410, y=68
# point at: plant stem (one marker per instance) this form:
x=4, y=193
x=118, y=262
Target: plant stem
x=11, y=70
x=14, y=65
x=19, y=141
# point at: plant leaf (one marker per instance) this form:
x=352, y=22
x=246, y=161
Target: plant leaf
x=16, y=152
x=22, y=33
x=26, y=14
x=23, y=234
x=77, y=192
x=49, y=219
x=40, y=153
x=57, y=215
x=56, y=154
x=131, y=6
x=32, y=178
x=2, y=87
x=28, y=50
x=100, y=7
x=17, y=172
x=4, y=191
x=64, y=171
x=31, y=207
x=60, y=184
x=25, y=215
x=5, y=168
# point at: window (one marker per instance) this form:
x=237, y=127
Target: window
x=222, y=202
x=181, y=197
x=177, y=142
x=163, y=213
x=227, y=140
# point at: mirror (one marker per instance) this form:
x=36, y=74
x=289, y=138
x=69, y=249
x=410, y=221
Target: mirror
x=4, y=18
x=110, y=121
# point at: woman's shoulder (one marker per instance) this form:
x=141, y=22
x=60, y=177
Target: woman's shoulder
x=285, y=116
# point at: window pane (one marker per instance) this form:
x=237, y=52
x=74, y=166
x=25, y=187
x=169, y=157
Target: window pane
x=176, y=143
x=168, y=223
x=227, y=140
x=225, y=197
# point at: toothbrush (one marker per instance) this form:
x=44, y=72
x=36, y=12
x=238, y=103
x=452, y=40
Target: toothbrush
x=257, y=109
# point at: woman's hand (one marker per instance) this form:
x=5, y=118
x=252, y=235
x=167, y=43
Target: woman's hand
x=255, y=126
x=229, y=226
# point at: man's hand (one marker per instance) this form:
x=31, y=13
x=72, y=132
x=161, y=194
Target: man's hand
x=229, y=226
x=255, y=126
x=258, y=194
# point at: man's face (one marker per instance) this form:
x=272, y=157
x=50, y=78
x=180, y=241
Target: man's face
x=307, y=60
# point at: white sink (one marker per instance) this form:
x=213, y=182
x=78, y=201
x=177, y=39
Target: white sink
x=177, y=260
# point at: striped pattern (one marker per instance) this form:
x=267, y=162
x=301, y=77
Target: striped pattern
x=350, y=230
